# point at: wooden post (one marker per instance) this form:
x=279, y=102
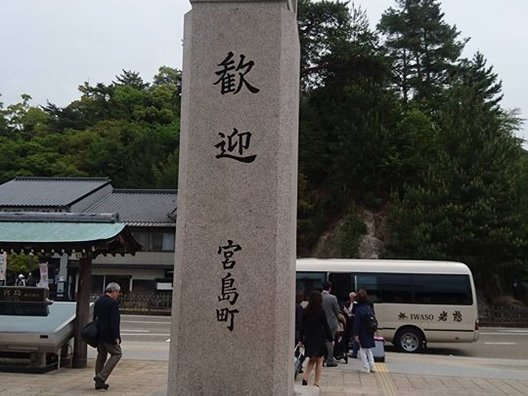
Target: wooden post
x=82, y=311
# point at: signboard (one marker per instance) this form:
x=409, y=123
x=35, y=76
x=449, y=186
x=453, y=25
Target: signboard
x=44, y=280
x=24, y=301
x=23, y=294
x=3, y=266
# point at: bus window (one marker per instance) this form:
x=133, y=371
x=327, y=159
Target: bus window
x=369, y=282
x=306, y=282
x=395, y=288
x=442, y=289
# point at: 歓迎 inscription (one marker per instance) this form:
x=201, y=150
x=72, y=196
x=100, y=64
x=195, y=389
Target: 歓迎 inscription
x=234, y=145
x=233, y=78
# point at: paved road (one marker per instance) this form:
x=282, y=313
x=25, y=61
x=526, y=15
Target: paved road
x=145, y=328
x=144, y=337
x=148, y=338
x=494, y=342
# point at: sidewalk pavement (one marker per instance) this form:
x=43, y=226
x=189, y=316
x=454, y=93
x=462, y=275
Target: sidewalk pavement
x=142, y=377
x=130, y=378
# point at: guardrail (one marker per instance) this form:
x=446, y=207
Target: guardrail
x=146, y=303
x=160, y=304
x=504, y=316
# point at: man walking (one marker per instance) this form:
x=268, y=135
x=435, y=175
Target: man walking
x=331, y=309
x=106, y=312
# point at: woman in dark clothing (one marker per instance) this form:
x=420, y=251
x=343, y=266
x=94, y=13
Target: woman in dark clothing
x=361, y=333
x=298, y=316
x=299, y=298
x=314, y=333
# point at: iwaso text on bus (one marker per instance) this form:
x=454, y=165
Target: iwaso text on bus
x=415, y=302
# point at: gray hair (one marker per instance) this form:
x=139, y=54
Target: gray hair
x=112, y=286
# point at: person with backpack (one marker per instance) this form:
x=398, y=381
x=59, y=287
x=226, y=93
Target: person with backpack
x=21, y=281
x=365, y=326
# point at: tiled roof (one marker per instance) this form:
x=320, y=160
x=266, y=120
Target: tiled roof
x=44, y=191
x=68, y=232
x=139, y=207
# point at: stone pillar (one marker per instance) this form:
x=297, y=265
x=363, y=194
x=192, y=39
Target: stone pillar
x=234, y=277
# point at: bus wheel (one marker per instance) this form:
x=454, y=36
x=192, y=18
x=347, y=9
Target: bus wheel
x=409, y=340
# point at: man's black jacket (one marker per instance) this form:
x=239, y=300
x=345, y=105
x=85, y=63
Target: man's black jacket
x=106, y=311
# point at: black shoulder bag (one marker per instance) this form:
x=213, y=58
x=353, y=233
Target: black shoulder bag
x=89, y=333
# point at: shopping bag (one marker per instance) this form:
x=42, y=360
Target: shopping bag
x=89, y=333
x=299, y=359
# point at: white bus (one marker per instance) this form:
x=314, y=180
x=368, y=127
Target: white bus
x=415, y=301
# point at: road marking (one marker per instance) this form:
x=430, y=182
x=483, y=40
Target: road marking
x=148, y=334
x=384, y=380
x=500, y=343
x=135, y=331
x=505, y=334
x=144, y=321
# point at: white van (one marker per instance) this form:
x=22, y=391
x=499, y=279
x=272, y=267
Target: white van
x=415, y=301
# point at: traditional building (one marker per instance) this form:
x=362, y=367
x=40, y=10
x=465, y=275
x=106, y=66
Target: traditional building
x=151, y=217
x=149, y=214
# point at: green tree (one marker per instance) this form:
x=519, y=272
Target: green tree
x=424, y=48
x=3, y=120
x=128, y=78
x=482, y=79
x=465, y=206
x=165, y=171
x=20, y=262
x=131, y=154
x=127, y=130
x=410, y=149
x=23, y=120
x=323, y=27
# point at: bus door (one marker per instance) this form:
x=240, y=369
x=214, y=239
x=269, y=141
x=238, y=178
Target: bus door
x=342, y=285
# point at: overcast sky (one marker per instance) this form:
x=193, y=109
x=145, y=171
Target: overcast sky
x=50, y=47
